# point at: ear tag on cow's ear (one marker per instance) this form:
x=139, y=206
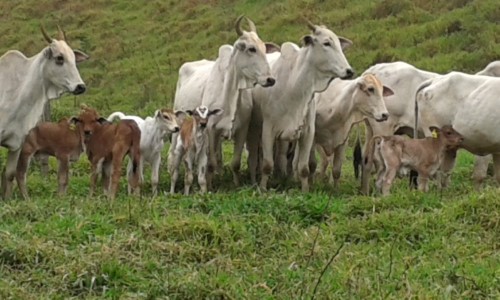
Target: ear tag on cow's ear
x=434, y=134
x=72, y=127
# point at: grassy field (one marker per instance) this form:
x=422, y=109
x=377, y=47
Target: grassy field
x=238, y=243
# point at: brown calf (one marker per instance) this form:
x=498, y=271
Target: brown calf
x=107, y=144
x=64, y=140
x=393, y=154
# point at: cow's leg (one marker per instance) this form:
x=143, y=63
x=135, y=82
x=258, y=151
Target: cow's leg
x=63, y=174
x=136, y=178
x=267, y=152
x=446, y=167
x=423, y=181
x=496, y=167
x=107, y=173
x=22, y=169
x=304, y=146
x=389, y=175
x=188, y=176
x=213, y=139
x=155, y=173
x=9, y=173
x=174, y=167
x=96, y=166
x=338, y=158
x=281, y=161
x=480, y=171
x=239, y=143
x=253, y=156
x=202, y=161
x=325, y=162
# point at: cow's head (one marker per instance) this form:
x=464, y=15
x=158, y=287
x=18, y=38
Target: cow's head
x=249, y=56
x=369, y=97
x=167, y=119
x=448, y=136
x=89, y=120
x=60, y=68
x=327, y=51
x=202, y=114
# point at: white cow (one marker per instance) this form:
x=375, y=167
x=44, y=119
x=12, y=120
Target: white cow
x=218, y=85
x=154, y=130
x=344, y=104
x=469, y=104
x=287, y=108
x=26, y=84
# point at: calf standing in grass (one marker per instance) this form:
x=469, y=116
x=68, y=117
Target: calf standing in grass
x=107, y=144
x=154, y=130
x=393, y=154
x=64, y=140
x=192, y=145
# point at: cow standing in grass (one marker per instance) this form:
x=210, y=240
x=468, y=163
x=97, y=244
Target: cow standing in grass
x=26, y=84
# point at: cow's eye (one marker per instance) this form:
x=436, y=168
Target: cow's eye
x=60, y=60
x=371, y=90
x=166, y=117
x=327, y=44
x=252, y=49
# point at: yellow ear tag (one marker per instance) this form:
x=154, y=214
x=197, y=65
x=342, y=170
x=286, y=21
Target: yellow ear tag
x=72, y=127
x=434, y=134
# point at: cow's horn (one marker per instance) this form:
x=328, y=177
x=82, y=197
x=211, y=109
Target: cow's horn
x=238, y=25
x=45, y=35
x=62, y=34
x=311, y=25
x=251, y=24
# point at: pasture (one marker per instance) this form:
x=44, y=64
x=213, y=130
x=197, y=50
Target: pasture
x=239, y=243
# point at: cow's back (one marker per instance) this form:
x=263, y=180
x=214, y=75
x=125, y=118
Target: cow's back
x=191, y=83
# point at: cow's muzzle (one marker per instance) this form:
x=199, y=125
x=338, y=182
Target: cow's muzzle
x=349, y=73
x=80, y=89
x=269, y=82
x=383, y=117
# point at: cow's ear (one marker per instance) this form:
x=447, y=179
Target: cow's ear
x=48, y=53
x=179, y=114
x=272, y=47
x=189, y=112
x=103, y=121
x=307, y=40
x=158, y=114
x=387, y=91
x=215, y=112
x=361, y=84
x=80, y=56
x=344, y=43
x=240, y=46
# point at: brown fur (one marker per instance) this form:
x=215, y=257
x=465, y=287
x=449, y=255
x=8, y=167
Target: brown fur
x=392, y=153
x=62, y=140
x=110, y=143
x=187, y=132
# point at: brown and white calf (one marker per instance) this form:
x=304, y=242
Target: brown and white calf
x=64, y=140
x=192, y=145
x=393, y=154
x=106, y=146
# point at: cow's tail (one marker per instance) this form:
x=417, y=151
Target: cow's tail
x=116, y=115
x=136, y=150
x=368, y=163
x=423, y=85
x=357, y=155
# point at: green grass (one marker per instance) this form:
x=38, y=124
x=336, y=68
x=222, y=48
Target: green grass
x=239, y=243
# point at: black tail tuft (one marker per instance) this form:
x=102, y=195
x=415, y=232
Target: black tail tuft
x=358, y=158
x=413, y=179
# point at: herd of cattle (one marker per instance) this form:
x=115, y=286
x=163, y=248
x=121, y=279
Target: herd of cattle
x=282, y=103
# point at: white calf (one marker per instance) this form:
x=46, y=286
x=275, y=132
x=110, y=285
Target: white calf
x=192, y=145
x=154, y=130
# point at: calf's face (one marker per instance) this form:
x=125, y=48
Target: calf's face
x=370, y=99
x=89, y=121
x=450, y=137
x=168, y=119
x=202, y=114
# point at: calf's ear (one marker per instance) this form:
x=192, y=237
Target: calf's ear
x=272, y=47
x=189, y=112
x=73, y=120
x=179, y=114
x=103, y=121
x=435, y=131
x=387, y=91
x=307, y=40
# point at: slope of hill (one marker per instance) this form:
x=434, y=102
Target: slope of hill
x=137, y=48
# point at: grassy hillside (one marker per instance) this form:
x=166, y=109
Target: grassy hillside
x=237, y=243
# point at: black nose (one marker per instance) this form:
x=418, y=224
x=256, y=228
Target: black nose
x=80, y=89
x=270, y=81
x=385, y=117
x=349, y=73
x=203, y=125
x=87, y=132
x=176, y=129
